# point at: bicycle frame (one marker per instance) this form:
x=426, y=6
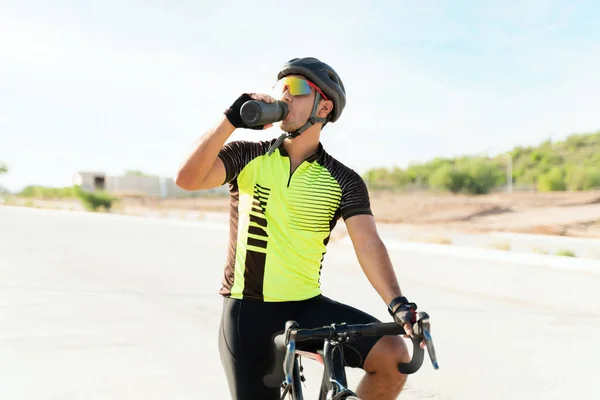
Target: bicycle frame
x=333, y=384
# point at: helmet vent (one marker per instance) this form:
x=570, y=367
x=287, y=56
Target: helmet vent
x=332, y=76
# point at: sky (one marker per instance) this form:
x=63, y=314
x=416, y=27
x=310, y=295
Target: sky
x=130, y=84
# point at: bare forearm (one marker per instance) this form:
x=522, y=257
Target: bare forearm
x=377, y=266
x=198, y=164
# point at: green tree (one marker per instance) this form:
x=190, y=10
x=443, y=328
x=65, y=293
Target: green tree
x=576, y=142
x=3, y=170
x=399, y=177
x=554, y=180
x=482, y=175
x=575, y=177
x=592, y=178
x=47, y=192
x=379, y=178
x=583, y=178
x=447, y=177
x=132, y=172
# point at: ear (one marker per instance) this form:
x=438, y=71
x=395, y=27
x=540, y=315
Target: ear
x=325, y=107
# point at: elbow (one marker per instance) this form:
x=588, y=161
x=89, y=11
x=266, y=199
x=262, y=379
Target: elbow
x=184, y=181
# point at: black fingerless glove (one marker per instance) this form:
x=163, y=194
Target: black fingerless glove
x=406, y=312
x=233, y=113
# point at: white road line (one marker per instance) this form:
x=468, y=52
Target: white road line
x=534, y=259
x=547, y=238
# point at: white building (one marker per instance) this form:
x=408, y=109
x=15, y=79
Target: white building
x=152, y=186
x=89, y=181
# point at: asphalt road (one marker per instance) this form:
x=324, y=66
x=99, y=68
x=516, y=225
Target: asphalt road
x=115, y=307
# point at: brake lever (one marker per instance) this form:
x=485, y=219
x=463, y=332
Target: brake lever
x=423, y=328
x=430, y=348
x=288, y=362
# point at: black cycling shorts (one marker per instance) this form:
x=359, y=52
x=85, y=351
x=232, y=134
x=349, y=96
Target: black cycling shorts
x=246, y=338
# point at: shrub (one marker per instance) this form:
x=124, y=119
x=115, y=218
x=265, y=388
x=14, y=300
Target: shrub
x=447, y=177
x=505, y=246
x=553, y=180
x=591, y=178
x=565, y=253
x=47, y=192
x=93, y=201
x=481, y=176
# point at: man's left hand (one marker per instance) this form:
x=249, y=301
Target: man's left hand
x=405, y=315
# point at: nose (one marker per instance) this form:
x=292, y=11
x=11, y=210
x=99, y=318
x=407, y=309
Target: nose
x=286, y=96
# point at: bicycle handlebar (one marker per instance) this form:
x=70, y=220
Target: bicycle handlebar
x=343, y=331
x=285, y=343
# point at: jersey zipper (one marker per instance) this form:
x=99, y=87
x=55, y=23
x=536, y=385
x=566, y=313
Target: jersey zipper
x=290, y=177
x=291, y=173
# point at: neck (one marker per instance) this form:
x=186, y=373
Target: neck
x=303, y=146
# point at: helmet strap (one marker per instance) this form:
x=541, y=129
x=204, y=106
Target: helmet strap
x=313, y=119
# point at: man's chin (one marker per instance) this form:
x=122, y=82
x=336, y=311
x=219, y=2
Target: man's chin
x=287, y=128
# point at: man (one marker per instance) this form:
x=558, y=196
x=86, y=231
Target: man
x=284, y=205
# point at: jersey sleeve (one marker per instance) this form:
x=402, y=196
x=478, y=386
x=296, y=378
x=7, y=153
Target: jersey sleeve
x=236, y=155
x=355, y=197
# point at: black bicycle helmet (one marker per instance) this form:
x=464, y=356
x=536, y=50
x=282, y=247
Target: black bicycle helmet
x=321, y=75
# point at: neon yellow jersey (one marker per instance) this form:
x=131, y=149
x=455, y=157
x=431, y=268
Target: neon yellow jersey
x=281, y=222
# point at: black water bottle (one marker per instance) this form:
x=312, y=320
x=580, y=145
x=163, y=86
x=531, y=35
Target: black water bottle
x=257, y=112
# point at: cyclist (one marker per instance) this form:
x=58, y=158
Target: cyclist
x=284, y=206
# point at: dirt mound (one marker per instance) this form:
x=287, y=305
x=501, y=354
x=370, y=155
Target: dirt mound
x=558, y=230
x=440, y=214
x=593, y=200
x=493, y=210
